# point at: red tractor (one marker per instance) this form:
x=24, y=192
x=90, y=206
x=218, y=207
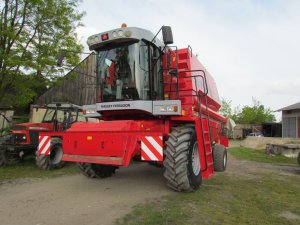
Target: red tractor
x=24, y=138
x=157, y=104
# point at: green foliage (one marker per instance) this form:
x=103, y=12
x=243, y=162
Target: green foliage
x=255, y=114
x=225, y=109
x=32, y=33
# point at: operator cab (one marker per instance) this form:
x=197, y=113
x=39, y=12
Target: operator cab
x=129, y=70
x=128, y=65
x=62, y=115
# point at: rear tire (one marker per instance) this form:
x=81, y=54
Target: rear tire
x=182, y=164
x=54, y=160
x=93, y=170
x=220, y=158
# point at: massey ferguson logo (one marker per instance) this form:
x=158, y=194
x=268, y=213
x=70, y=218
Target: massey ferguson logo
x=115, y=106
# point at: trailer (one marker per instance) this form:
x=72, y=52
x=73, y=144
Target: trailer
x=157, y=104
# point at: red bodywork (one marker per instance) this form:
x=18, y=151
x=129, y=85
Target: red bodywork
x=26, y=128
x=116, y=142
x=109, y=142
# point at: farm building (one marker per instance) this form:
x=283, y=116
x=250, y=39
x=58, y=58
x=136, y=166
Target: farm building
x=77, y=87
x=291, y=121
x=6, y=115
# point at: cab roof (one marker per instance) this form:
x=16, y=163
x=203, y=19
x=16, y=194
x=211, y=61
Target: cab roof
x=121, y=35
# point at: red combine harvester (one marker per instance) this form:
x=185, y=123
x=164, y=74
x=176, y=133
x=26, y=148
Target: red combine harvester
x=157, y=104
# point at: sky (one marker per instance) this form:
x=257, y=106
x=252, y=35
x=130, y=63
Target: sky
x=251, y=47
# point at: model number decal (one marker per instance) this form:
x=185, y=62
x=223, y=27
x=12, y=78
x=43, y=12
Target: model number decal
x=115, y=106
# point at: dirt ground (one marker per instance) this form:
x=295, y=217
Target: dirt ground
x=249, y=169
x=80, y=200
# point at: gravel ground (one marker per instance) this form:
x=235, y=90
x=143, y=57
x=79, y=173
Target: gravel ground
x=79, y=200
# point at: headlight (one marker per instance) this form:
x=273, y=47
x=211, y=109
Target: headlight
x=20, y=138
x=114, y=34
x=90, y=111
x=163, y=109
x=169, y=108
x=120, y=33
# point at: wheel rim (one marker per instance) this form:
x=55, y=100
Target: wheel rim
x=195, y=160
x=56, y=154
x=225, y=159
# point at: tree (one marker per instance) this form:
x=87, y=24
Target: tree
x=32, y=33
x=225, y=109
x=255, y=114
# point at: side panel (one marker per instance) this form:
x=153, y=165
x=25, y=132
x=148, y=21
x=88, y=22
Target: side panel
x=115, y=142
x=224, y=141
x=95, y=143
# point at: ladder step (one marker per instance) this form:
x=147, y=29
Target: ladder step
x=182, y=56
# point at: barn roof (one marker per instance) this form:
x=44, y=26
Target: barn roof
x=290, y=107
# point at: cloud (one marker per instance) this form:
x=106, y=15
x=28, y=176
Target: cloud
x=251, y=48
x=84, y=33
x=284, y=87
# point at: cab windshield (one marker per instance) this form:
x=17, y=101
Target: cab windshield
x=119, y=75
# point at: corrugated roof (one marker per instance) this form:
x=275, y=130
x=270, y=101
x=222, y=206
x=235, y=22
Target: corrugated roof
x=290, y=107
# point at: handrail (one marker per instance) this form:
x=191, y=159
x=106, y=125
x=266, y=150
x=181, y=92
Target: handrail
x=191, y=50
x=199, y=96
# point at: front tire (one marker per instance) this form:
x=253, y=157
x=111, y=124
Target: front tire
x=93, y=170
x=182, y=164
x=3, y=158
x=54, y=159
x=8, y=157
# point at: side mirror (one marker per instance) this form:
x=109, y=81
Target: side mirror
x=167, y=35
x=61, y=58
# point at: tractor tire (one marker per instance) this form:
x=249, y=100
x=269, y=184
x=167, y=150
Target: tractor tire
x=220, y=158
x=3, y=159
x=93, y=170
x=54, y=159
x=182, y=164
x=298, y=158
x=8, y=157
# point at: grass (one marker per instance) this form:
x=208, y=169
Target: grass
x=225, y=200
x=260, y=156
x=28, y=169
